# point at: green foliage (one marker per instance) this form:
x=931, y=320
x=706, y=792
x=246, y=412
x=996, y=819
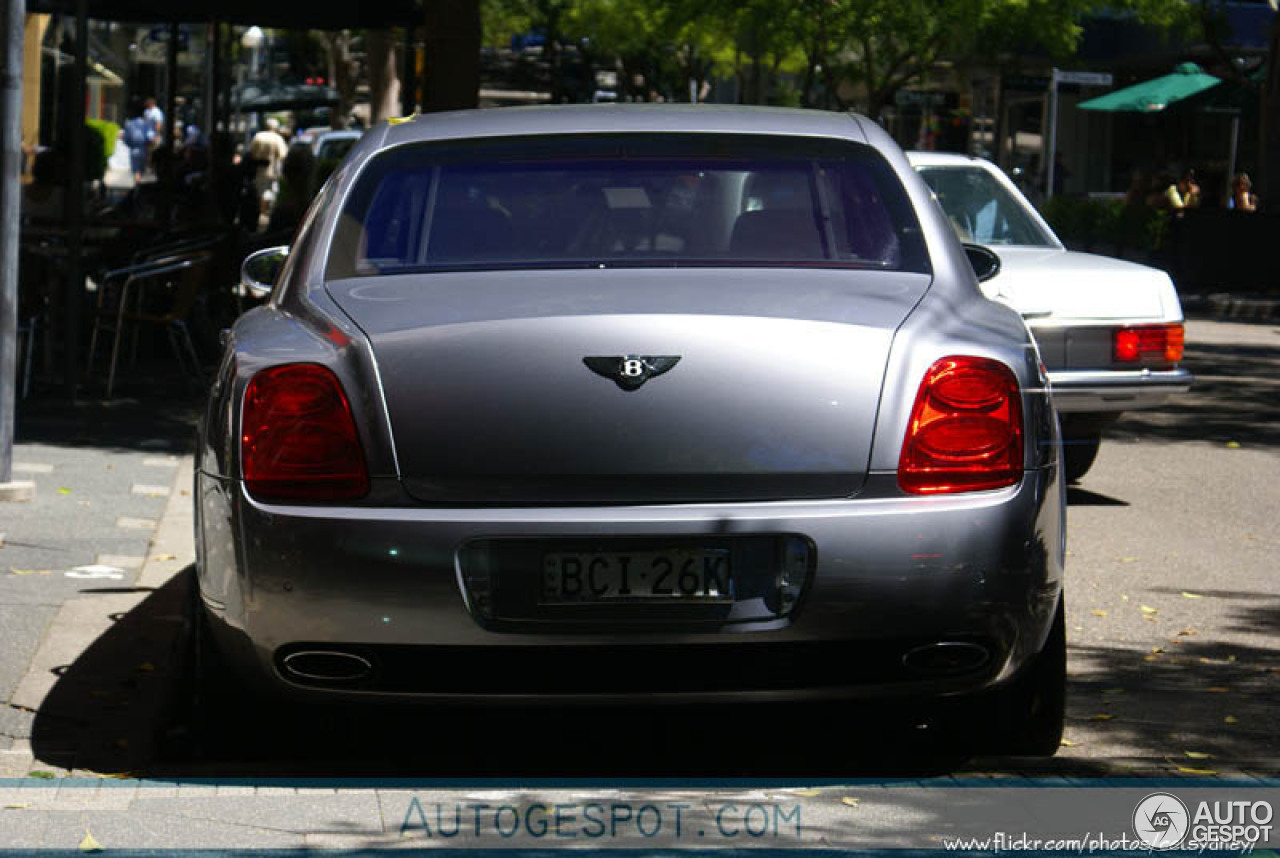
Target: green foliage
x=818, y=53
x=100, y=142
x=1086, y=224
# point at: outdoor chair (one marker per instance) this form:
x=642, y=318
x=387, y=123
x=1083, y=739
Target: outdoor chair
x=129, y=296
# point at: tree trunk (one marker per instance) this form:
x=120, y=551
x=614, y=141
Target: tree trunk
x=344, y=74
x=384, y=74
x=452, y=55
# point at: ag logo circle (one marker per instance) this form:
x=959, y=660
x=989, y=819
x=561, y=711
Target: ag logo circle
x=1160, y=821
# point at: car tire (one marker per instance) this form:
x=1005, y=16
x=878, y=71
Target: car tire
x=1078, y=454
x=1034, y=706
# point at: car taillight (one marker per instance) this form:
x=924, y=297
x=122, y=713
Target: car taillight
x=965, y=432
x=298, y=440
x=1148, y=344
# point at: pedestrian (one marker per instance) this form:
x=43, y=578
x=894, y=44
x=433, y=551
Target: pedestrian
x=138, y=134
x=154, y=115
x=1183, y=194
x=267, y=150
x=1242, y=198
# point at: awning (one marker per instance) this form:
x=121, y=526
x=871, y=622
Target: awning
x=1154, y=95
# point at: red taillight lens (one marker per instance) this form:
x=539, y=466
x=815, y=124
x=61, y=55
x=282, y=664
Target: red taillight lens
x=965, y=432
x=1148, y=344
x=298, y=440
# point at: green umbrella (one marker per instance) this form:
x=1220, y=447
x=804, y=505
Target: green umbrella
x=1154, y=95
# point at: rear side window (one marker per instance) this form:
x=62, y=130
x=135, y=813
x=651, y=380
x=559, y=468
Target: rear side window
x=626, y=201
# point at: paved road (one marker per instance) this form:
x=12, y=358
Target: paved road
x=1174, y=630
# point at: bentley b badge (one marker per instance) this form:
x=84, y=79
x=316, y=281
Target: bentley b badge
x=630, y=371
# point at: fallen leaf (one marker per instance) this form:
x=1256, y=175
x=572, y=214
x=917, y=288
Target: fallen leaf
x=1157, y=649
x=1198, y=755
x=42, y=775
x=1151, y=658
x=1098, y=613
x=89, y=844
x=1128, y=560
x=1187, y=595
x=807, y=793
x=63, y=490
x=1067, y=743
x=13, y=571
x=1123, y=597
x=849, y=800
x=1188, y=632
x=165, y=557
x=1231, y=719
x=1233, y=445
x=1217, y=689
x=1231, y=659
x=146, y=667
x=17, y=806
x=1187, y=770
x=1147, y=609
x=1204, y=660
x=1100, y=716
x=1113, y=691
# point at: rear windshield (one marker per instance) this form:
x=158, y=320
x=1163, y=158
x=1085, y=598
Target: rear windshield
x=626, y=201
x=981, y=209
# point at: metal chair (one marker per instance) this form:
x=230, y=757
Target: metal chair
x=122, y=300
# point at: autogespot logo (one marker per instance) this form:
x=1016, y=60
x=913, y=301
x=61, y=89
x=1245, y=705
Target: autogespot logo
x=1160, y=821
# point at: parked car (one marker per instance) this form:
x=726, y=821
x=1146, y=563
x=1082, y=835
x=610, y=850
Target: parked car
x=1110, y=331
x=621, y=402
x=333, y=145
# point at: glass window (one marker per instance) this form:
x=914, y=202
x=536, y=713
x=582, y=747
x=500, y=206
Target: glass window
x=981, y=209
x=634, y=200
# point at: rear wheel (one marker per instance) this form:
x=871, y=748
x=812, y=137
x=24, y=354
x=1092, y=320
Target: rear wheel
x=1078, y=455
x=1033, y=708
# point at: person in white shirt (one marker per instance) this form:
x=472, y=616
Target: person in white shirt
x=267, y=150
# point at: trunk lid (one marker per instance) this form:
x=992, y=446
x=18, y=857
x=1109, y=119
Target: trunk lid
x=774, y=394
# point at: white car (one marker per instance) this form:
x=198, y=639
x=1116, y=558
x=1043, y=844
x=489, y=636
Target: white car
x=1110, y=332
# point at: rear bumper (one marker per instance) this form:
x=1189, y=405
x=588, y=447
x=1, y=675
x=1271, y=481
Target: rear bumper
x=889, y=575
x=1119, y=390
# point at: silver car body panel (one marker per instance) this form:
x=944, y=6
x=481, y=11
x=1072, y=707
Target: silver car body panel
x=817, y=377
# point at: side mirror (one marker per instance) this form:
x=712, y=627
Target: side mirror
x=984, y=261
x=259, y=270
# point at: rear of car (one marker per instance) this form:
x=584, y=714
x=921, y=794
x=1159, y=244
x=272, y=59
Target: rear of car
x=619, y=404
x=1110, y=331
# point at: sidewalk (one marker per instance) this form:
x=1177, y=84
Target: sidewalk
x=82, y=670
x=1228, y=307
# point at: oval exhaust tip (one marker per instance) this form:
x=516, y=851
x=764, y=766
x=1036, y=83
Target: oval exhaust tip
x=327, y=666
x=946, y=657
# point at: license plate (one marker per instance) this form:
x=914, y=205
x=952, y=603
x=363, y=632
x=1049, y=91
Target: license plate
x=700, y=574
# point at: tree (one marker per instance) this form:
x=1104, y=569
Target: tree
x=344, y=73
x=384, y=74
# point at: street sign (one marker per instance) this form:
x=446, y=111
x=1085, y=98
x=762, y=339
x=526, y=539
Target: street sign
x=1082, y=77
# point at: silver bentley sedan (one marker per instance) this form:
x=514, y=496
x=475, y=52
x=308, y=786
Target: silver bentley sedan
x=634, y=404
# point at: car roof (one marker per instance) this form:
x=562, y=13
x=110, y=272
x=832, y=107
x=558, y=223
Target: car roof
x=945, y=159
x=622, y=118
